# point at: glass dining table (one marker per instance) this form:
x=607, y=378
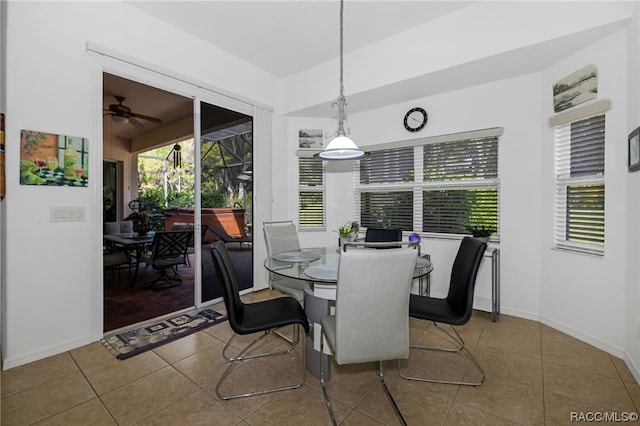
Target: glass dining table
x=319, y=266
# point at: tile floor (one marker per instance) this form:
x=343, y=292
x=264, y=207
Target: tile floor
x=535, y=375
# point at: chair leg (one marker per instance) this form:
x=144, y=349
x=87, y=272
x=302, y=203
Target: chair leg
x=382, y=382
x=399, y=415
x=241, y=357
x=461, y=347
x=322, y=383
x=164, y=277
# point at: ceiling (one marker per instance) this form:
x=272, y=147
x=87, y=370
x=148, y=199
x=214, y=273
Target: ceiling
x=298, y=35
x=286, y=37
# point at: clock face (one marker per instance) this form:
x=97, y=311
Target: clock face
x=415, y=119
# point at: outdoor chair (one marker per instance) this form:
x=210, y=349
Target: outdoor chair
x=226, y=238
x=265, y=317
x=168, y=250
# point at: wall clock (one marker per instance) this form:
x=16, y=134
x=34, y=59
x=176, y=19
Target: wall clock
x=415, y=119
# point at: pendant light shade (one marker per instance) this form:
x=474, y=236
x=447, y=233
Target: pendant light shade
x=341, y=147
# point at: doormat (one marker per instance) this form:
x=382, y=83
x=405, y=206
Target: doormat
x=138, y=340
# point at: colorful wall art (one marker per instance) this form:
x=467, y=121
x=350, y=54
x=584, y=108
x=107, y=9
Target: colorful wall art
x=53, y=160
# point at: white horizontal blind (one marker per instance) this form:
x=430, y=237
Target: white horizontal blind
x=311, y=194
x=580, y=189
x=461, y=186
x=386, y=198
x=444, y=187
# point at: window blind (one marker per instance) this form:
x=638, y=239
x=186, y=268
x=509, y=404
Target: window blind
x=580, y=189
x=311, y=194
x=443, y=187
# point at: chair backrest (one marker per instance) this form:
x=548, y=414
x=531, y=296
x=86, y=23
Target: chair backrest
x=228, y=281
x=280, y=237
x=372, y=304
x=380, y=235
x=463, y=277
x=170, y=247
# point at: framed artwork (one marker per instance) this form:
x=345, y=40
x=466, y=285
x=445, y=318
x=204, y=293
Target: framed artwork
x=575, y=89
x=53, y=160
x=310, y=139
x=634, y=150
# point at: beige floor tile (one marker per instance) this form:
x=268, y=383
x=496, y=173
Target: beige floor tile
x=524, y=344
x=623, y=370
x=186, y=346
x=115, y=373
x=589, y=359
x=144, y=397
x=203, y=367
x=507, y=399
x=303, y=406
x=91, y=413
x=91, y=355
x=418, y=408
x=198, y=408
x=564, y=410
x=634, y=392
x=36, y=373
x=41, y=402
x=356, y=418
x=462, y=414
x=510, y=365
x=534, y=375
x=349, y=383
x=596, y=389
x=508, y=324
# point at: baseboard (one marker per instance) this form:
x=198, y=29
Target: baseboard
x=11, y=362
x=593, y=341
x=632, y=366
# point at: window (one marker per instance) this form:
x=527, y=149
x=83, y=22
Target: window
x=311, y=190
x=442, y=185
x=580, y=191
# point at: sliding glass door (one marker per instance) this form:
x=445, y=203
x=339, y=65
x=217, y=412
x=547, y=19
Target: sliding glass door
x=226, y=193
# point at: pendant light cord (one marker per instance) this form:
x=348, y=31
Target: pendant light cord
x=341, y=99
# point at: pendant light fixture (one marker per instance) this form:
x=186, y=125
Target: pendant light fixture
x=341, y=147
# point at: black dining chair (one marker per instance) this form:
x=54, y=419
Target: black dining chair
x=454, y=310
x=381, y=235
x=265, y=317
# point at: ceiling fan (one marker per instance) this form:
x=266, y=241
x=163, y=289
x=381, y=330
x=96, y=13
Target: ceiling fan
x=123, y=114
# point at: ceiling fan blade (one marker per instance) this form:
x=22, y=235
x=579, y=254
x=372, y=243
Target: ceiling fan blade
x=134, y=122
x=145, y=117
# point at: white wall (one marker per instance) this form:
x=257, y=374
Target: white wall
x=632, y=314
x=489, y=105
x=581, y=295
x=51, y=269
x=584, y=295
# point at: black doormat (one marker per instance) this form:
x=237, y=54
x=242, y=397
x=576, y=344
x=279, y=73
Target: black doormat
x=138, y=340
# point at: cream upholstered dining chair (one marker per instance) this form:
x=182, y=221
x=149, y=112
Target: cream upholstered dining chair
x=282, y=236
x=455, y=309
x=371, y=321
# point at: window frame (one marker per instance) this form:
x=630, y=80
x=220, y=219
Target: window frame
x=418, y=186
x=563, y=181
x=311, y=189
